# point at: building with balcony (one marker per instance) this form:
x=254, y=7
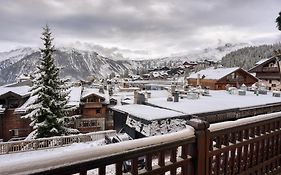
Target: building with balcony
x=268, y=71
x=12, y=126
x=88, y=106
x=219, y=78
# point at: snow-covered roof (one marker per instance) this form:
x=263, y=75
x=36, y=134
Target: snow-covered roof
x=23, y=108
x=73, y=101
x=147, y=112
x=95, y=91
x=74, y=96
x=262, y=61
x=20, y=90
x=219, y=100
x=214, y=74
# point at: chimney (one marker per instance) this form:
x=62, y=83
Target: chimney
x=148, y=94
x=101, y=90
x=173, y=89
x=140, y=98
x=135, y=97
x=198, y=79
x=176, y=97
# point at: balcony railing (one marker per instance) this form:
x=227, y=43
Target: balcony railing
x=92, y=105
x=44, y=143
x=247, y=146
x=270, y=69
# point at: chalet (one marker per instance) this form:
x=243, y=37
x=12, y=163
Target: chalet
x=268, y=71
x=12, y=126
x=89, y=106
x=218, y=79
x=94, y=111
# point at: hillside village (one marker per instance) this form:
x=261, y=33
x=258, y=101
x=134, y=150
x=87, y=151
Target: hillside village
x=140, y=87
x=97, y=105
x=136, y=108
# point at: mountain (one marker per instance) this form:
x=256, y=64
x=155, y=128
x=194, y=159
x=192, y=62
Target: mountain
x=247, y=57
x=74, y=64
x=80, y=64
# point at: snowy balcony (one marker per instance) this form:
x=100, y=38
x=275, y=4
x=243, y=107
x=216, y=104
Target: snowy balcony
x=92, y=105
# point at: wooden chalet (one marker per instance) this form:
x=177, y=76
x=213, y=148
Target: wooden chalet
x=218, y=79
x=94, y=111
x=268, y=71
x=12, y=126
x=88, y=105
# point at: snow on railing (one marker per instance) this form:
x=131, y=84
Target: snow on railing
x=36, y=144
x=93, y=157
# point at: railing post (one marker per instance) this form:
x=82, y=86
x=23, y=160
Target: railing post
x=200, y=150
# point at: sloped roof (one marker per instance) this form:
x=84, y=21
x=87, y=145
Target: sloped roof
x=74, y=96
x=95, y=91
x=214, y=74
x=261, y=63
x=73, y=101
x=19, y=90
x=23, y=108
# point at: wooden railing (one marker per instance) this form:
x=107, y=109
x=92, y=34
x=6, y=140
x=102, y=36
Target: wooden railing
x=20, y=146
x=152, y=155
x=270, y=69
x=246, y=146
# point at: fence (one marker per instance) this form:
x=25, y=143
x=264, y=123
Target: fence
x=20, y=146
x=246, y=146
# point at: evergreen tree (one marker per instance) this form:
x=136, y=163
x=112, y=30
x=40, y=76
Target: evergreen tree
x=278, y=21
x=48, y=112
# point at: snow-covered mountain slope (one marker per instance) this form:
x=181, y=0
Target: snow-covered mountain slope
x=80, y=64
x=11, y=57
x=74, y=64
x=214, y=54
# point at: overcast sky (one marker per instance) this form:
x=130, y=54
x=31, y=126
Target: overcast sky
x=145, y=28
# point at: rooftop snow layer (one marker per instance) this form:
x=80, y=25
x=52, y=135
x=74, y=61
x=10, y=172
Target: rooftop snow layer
x=20, y=90
x=147, y=112
x=214, y=74
x=262, y=61
x=219, y=100
x=89, y=91
x=74, y=96
x=23, y=108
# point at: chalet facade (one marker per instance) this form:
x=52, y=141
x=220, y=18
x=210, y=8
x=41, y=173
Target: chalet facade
x=89, y=106
x=94, y=111
x=268, y=71
x=12, y=126
x=218, y=79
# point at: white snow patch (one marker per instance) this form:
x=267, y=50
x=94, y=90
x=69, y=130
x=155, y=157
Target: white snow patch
x=147, y=112
x=214, y=74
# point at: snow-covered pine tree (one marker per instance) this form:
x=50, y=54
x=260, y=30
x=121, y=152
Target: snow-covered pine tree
x=48, y=113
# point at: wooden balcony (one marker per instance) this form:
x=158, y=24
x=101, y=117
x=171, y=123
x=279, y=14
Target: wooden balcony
x=92, y=105
x=270, y=69
x=246, y=146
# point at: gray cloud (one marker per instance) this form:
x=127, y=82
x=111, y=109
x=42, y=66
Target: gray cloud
x=158, y=27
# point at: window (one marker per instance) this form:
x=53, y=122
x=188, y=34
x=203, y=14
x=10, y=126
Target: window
x=273, y=85
x=89, y=123
x=98, y=111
